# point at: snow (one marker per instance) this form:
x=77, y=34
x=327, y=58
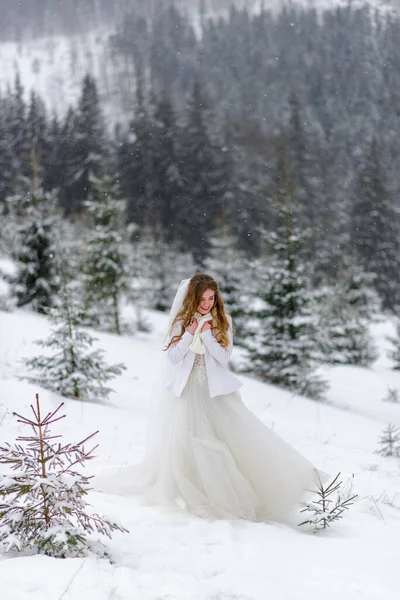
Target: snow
x=171, y=555
x=55, y=65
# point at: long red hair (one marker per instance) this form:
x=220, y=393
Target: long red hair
x=199, y=283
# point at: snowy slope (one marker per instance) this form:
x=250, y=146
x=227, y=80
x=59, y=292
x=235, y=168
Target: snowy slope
x=174, y=556
x=54, y=66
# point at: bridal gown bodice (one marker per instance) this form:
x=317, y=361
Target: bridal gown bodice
x=199, y=367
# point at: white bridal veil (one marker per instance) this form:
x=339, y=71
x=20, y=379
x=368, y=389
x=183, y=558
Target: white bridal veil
x=142, y=478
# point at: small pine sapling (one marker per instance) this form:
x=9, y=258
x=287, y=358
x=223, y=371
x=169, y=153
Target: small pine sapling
x=74, y=370
x=394, y=353
x=389, y=441
x=329, y=506
x=393, y=395
x=42, y=497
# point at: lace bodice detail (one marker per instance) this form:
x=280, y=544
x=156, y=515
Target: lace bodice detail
x=199, y=360
x=199, y=367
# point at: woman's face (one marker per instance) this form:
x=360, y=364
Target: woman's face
x=206, y=302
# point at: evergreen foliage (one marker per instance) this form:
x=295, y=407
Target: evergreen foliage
x=389, y=442
x=42, y=496
x=344, y=310
x=7, y=171
x=37, y=283
x=207, y=137
x=281, y=347
x=87, y=137
x=394, y=353
x=106, y=265
x=201, y=198
x=72, y=369
x=393, y=395
x=328, y=507
x=375, y=228
x=136, y=158
x=168, y=194
x=231, y=269
x=158, y=265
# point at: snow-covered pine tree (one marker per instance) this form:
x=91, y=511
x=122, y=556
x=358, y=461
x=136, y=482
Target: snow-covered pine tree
x=324, y=511
x=42, y=496
x=344, y=309
x=230, y=267
x=106, y=266
x=37, y=132
x=200, y=199
x=393, y=395
x=159, y=267
x=281, y=347
x=37, y=283
x=135, y=157
x=394, y=353
x=73, y=370
x=7, y=172
x=307, y=180
x=389, y=442
x=88, y=147
x=375, y=228
x=18, y=136
x=167, y=177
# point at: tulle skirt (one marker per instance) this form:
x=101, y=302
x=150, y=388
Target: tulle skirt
x=219, y=459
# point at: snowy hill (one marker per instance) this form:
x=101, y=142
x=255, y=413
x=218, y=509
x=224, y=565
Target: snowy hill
x=174, y=556
x=54, y=65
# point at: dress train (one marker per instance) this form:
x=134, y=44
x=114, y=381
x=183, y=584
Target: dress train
x=219, y=458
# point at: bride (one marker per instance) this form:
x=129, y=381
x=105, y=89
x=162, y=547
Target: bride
x=206, y=451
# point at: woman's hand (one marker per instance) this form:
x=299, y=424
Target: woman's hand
x=192, y=327
x=207, y=325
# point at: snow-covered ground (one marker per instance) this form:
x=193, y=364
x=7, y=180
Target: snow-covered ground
x=175, y=556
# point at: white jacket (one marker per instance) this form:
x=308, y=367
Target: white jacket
x=220, y=379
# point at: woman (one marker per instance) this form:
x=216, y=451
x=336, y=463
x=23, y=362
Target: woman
x=208, y=451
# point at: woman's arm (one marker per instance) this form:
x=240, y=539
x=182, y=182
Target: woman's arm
x=176, y=352
x=221, y=354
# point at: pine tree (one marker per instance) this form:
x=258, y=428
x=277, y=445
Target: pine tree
x=159, y=267
x=393, y=395
x=200, y=199
x=136, y=159
x=106, y=265
x=281, y=347
x=19, y=139
x=62, y=168
x=167, y=176
x=344, y=309
x=390, y=441
x=230, y=268
x=324, y=511
x=37, y=135
x=394, y=353
x=88, y=145
x=37, y=282
x=306, y=179
x=74, y=370
x=7, y=172
x=42, y=497
x=376, y=229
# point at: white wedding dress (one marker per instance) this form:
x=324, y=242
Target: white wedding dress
x=216, y=458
